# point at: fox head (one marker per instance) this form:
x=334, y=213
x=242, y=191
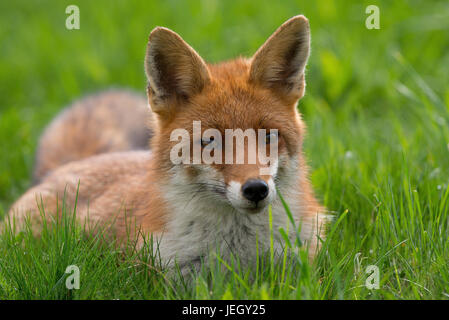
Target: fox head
x=258, y=94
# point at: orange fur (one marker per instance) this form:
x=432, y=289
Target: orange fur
x=257, y=93
x=111, y=121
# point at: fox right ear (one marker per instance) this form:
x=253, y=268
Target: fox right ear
x=173, y=68
x=279, y=64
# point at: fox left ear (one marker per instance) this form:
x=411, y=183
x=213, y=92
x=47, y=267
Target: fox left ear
x=279, y=64
x=173, y=68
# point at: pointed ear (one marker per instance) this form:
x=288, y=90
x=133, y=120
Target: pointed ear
x=173, y=68
x=279, y=64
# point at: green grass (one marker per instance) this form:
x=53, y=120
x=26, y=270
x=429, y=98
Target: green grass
x=377, y=110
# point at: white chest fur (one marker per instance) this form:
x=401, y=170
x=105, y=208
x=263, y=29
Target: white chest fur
x=199, y=229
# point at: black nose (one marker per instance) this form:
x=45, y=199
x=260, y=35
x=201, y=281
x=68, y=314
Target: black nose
x=255, y=190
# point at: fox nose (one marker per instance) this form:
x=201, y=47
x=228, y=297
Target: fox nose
x=255, y=190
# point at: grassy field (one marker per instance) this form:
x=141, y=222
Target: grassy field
x=377, y=110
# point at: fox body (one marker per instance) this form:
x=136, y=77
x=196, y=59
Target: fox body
x=195, y=208
x=115, y=120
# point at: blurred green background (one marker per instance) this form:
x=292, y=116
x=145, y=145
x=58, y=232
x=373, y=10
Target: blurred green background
x=376, y=106
x=44, y=66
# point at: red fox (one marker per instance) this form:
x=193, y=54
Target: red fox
x=192, y=208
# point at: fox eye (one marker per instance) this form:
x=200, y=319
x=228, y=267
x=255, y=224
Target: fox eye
x=271, y=138
x=205, y=142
